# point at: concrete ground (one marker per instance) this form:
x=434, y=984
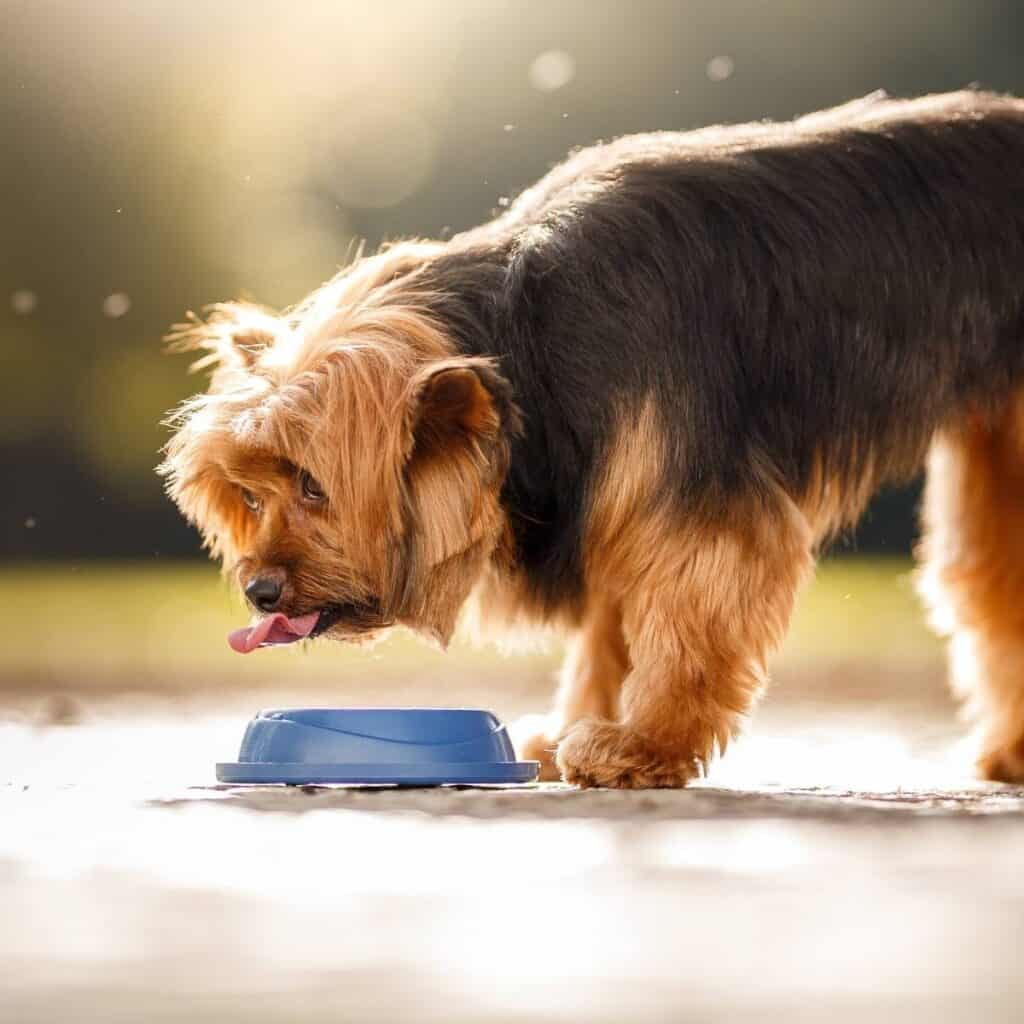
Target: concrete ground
x=838, y=864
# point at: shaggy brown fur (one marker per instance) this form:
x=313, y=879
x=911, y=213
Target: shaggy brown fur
x=633, y=407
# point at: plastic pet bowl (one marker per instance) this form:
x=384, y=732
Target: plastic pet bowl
x=377, y=746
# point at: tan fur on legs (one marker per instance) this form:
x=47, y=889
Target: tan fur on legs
x=591, y=681
x=973, y=577
x=699, y=627
x=704, y=603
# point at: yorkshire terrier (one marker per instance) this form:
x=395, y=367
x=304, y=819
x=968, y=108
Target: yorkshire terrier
x=634, y=405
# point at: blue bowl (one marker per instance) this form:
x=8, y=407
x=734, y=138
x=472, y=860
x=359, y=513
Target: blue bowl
x=377, y=746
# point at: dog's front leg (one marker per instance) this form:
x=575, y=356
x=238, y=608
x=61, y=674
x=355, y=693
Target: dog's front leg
x=590, y=685
x=699, y=627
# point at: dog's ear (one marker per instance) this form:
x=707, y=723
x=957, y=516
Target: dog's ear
x=234, y=334
x=458, y=403
x=460, y=418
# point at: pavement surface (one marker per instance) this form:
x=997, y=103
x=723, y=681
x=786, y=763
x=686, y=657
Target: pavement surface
x=839, y=863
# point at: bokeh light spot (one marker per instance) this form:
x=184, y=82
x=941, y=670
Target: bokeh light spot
x=720, y=68
x=24, y=301
x=552, y=70
x=116, y=305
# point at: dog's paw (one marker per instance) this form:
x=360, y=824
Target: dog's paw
x=535, y=739
x=1003, y=764
x=604, y=754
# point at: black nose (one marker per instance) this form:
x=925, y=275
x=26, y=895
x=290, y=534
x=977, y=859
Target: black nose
x=264, y=593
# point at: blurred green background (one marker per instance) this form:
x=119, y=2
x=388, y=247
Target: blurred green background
x=158, y=156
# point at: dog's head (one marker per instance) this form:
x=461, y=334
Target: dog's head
x=345, y=462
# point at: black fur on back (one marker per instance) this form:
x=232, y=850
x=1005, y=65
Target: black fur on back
x=823, y=293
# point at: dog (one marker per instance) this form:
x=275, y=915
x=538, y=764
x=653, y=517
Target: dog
x=634, y=405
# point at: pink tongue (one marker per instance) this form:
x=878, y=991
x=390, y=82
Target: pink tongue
x=273, y=630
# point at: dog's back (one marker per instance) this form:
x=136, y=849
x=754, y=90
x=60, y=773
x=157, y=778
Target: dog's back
x=820, y=294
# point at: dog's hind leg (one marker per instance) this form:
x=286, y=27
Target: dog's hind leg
x=700, y=620
x=973, y=576
x=589, y=686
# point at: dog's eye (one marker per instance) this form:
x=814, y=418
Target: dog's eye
x=251, y=501
x=311, y=490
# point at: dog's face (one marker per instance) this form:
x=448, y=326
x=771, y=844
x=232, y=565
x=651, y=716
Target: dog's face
x=354, y=475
